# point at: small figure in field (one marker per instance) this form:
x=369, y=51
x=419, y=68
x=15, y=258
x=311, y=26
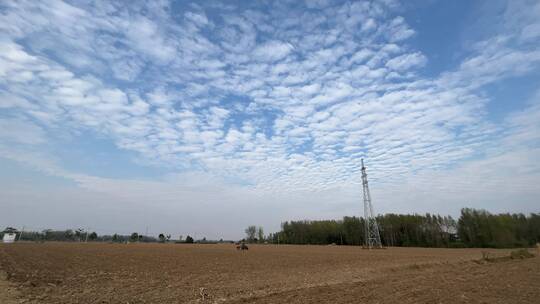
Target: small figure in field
x=241, y=246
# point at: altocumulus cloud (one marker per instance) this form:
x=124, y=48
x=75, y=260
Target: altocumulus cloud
x=269, y=107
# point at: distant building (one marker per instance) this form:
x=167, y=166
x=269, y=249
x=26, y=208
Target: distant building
x=9, y=237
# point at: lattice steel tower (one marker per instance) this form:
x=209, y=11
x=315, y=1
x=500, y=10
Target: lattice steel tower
x=372, y=237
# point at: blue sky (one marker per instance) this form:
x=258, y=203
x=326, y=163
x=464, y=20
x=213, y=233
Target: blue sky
x=205, y=117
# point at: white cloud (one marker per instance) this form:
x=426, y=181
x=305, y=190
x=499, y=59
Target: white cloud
x=406, y=61
x=12, y=101
x=21, y=131
x=199, y=19
x=146, y=37
x=398, y=30
x=272, y=51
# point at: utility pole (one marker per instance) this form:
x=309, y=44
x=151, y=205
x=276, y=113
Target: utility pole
x=372, y=236
x=21, y=234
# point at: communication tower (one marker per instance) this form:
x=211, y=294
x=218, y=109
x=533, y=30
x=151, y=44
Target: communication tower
x=372, y=236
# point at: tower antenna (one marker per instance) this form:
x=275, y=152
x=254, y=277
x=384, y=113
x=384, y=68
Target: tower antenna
x=372, y=236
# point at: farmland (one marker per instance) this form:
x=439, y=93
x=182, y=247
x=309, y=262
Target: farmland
x=175, y=273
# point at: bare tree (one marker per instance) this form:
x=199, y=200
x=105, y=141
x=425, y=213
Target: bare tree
x=251, y=232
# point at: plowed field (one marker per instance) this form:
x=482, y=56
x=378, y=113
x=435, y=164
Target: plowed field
x=179, y=273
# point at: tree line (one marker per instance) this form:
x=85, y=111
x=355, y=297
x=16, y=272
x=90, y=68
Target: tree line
x=69, y=235
x=474, y=228
x=483, y=229
x=80, y=235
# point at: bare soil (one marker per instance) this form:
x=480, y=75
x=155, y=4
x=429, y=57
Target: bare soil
x=181, y=273
x=8, y=292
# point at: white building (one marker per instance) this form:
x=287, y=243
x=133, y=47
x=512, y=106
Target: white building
x=9, y=237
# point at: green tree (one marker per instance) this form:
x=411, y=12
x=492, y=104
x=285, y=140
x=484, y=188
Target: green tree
x=260, y=235
x=189, y=239
x=93, y=236
x=479, y=228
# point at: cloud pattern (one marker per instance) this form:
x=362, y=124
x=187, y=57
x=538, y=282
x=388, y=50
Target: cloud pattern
x=275, y=97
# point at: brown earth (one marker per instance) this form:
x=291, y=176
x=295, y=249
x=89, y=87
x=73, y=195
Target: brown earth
x=8, y=292
x=171, y=273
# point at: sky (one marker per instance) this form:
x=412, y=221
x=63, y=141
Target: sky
x=205, y=117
